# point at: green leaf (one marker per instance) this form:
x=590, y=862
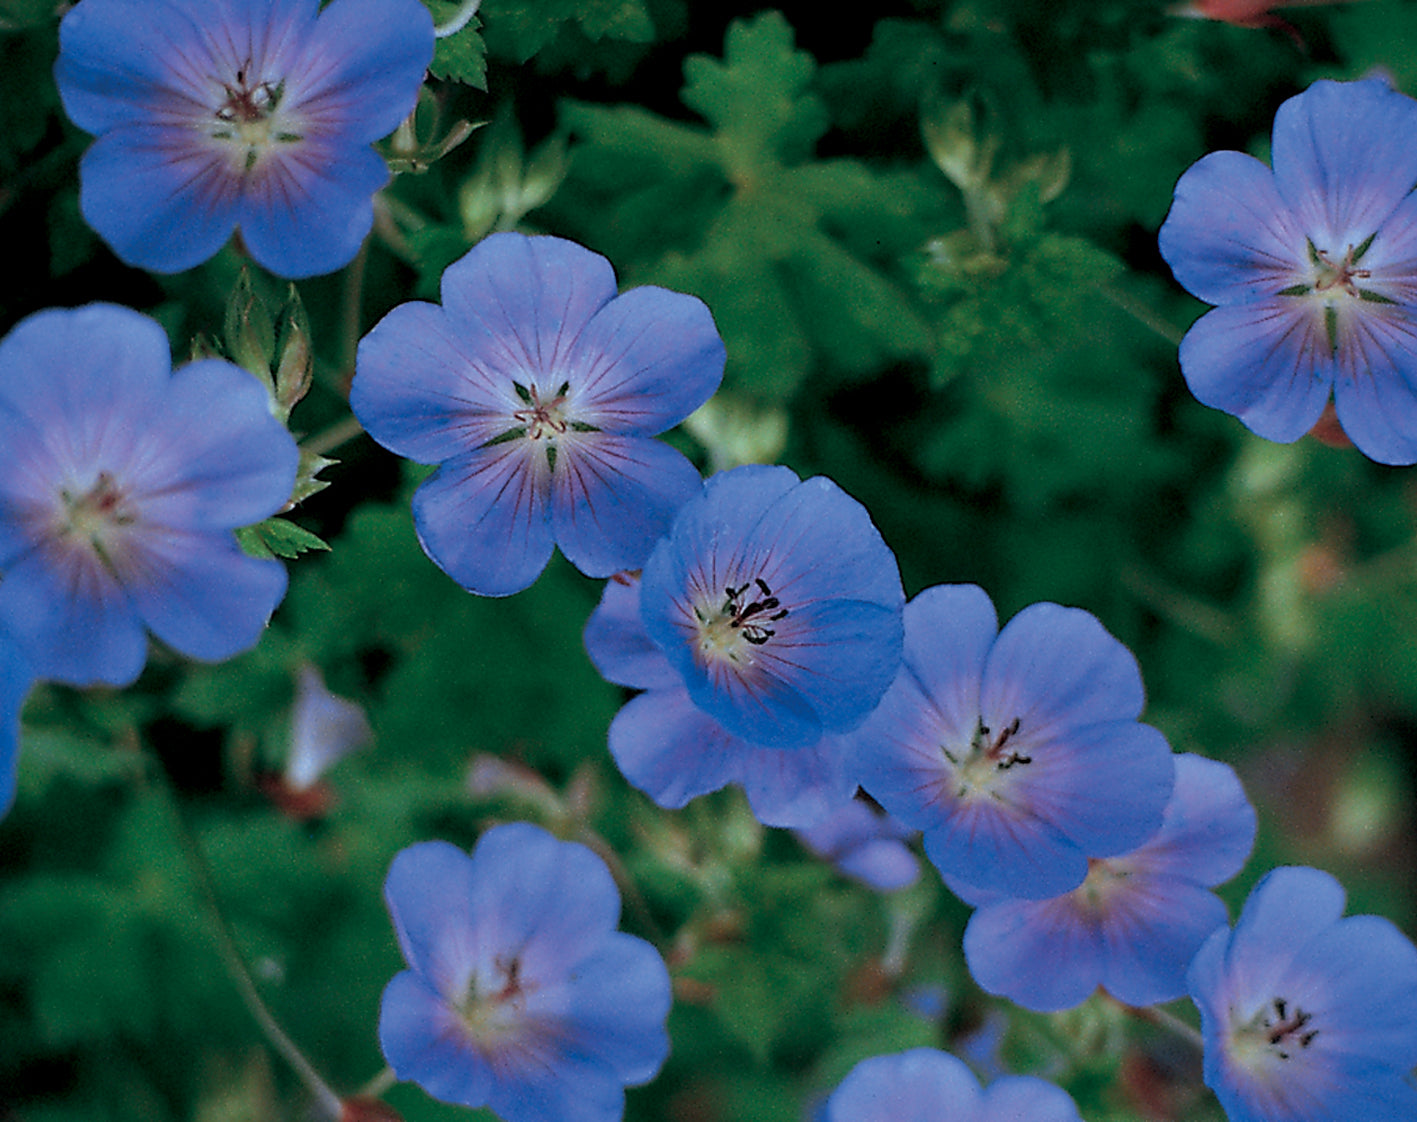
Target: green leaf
x=278, y=537
x=518, y=29
x=462, y=56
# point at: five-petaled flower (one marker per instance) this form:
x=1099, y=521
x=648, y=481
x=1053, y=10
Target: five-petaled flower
x=1306, y=1014
x=520, y=995
x=120, y=485
x=1313, y=267
x=1134, y=924
x=539, y=391
x=926, y=1085
x=255, y=115
x=766, y=624
x=1018, y=753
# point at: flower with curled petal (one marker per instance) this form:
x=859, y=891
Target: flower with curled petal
x=927, y=1085
x=121, y=482
x=521, y=995
x=1305, y=1014
x=1313, y=268
x=538, y=390
x=1134, y=924
x=256, y=115
x=766, y=624
x=1017, y=753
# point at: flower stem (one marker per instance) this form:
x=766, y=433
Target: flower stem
x=329, y=1104
x=1143, y=313
x=328, y=439
x=1169, y=1021
x=352, y=317
x=458, y=20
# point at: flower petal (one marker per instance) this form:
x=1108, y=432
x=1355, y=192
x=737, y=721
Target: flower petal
x=1267, y=363
x=922, y=1085
x=528, y=299
x=648, y=359
x=671, y=750
x=226, y=461
x=1152, y=928
x=305, y=209
x=1208, y=828
x=1015, y=949
x=1345, y=155
x=484, y=521
x=160, y=201
x=1002, y=848
x=619, y=1005
x=71, y=619
x=613, y=497
x=1229, y=237
x=618, y=644
x=1375, y=392
x=362, y=67
x=418, y=392
x=1056, y=669
x=423, y=1040
x=197, y=591
x=430, y=897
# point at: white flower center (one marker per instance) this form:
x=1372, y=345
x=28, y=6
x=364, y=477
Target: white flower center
x=250, y=119
x=1273, y=1035
x=96, y=518
x=729, y=631
x=980, y=770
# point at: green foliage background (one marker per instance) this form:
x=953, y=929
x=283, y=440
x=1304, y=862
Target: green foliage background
x=927, y=232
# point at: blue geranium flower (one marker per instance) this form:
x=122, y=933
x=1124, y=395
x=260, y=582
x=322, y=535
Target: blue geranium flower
x=539, y=391
x=1305, y=1014
x=1133, y=926
x=257, y=115
x=1017, y=753
x=520, y=994
x=15, y=682
x=1312, y=268
x=926, y=1085
x=120, y=485
x=766, y=624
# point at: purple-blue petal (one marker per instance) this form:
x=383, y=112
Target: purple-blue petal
x=423, y=1041
x=647, y=360
x=1151, y=930
x=1345, y=155
x=363, y=65
x=1056, y=669
x=1375, y=391
x=1016, y=1097
x=949, y=629
x=618, y=644
x=1229, y=237
x=1208, y=828
x=429, y=893
x=613, y=497
x=118, y=58
x=1040, y=954
x=1269, y=363
x=525, y=301
x=922, y=1085
x=621, y=999
x=418, y=391
x=71, y=619
x=306, y=211
x=484, y=519
x=160, y=202
x=1004, y=849
x=227, y=462
x=198, y=592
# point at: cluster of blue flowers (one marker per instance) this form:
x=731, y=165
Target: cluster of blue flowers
x=761, y=616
